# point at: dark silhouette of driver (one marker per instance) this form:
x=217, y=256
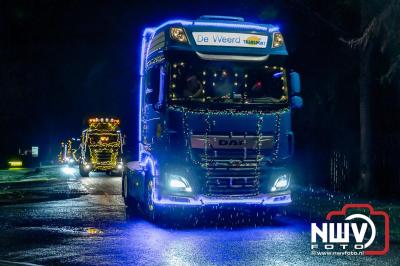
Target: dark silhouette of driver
x=194, y=88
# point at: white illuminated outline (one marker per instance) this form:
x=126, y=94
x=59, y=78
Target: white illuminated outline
x=369, y=221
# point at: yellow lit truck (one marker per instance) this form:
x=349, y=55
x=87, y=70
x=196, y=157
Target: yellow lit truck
x=101, y=147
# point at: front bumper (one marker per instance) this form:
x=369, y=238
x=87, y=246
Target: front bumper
x=274, y=199
x=105, y=167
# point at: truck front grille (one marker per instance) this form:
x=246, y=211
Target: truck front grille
x=230, y=174
x=103, y=157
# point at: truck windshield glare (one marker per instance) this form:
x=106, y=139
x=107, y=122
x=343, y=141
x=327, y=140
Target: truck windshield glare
x=227, y=82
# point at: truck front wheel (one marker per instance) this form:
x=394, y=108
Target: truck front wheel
x=150, y=209
x=83, y=172
x=129, y=201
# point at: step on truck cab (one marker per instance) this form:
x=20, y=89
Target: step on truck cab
x=215, y=105
x=101, y=147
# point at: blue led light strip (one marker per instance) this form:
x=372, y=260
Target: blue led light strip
x=143, y=53
x=235, y=26
x=218, y=24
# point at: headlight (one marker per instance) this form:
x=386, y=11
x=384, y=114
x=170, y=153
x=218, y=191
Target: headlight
x=281, y=183
x=119, y=166
x=178, y=183
x=87, y=166
x=277, y=40
x=67, y=170
x=178, y=34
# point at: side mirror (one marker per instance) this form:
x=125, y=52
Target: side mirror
x=297, y=102
x=159, y=107
x=295, y=82
x=129, y=156
x=151, y=96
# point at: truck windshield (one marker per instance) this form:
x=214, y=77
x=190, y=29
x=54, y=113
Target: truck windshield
x=100, y=139
x=227, y=82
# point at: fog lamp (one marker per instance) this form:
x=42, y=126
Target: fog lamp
x=179, y=183
x=281, y=183
x=178, y=34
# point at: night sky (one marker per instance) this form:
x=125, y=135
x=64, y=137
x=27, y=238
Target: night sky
x=63, y=61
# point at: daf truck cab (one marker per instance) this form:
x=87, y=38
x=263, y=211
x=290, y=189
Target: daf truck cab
x=214, y=105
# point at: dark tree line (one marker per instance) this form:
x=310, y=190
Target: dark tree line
x=351, y=89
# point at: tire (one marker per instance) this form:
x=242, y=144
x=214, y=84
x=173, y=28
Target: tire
x=83, y=172
x=130, y=202
x=109, y=173
x=116, y=173
x=151, y=211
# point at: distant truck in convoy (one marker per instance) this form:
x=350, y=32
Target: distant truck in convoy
x=215, y=104
x=101, y=147
x=68, y=152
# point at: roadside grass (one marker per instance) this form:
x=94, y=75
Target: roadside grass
x=41, y=174
x=38, y=184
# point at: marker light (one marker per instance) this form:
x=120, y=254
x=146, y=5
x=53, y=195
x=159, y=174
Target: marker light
x=281, y=183
x=178, y=34
x=277, y=40
x=179, y=182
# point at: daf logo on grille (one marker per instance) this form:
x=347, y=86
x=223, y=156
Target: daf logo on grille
x=224, y=142
x=230, y=142
x=236, y=163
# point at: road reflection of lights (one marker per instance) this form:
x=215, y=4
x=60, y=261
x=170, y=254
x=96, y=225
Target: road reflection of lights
x=180, y=253
x=93, y=231
x=184, y=246
x=173, y=247
x=68, y=170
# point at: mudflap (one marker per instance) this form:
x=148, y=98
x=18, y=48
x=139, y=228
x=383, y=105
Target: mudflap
x=133, y=182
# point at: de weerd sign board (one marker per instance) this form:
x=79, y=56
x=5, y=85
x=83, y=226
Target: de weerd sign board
x=230, y=39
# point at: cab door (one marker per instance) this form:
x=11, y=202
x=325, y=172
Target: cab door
x=154, y=105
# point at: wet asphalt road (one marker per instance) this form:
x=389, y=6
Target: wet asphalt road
x=95, y=229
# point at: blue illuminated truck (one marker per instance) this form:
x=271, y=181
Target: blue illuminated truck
x=215, y=103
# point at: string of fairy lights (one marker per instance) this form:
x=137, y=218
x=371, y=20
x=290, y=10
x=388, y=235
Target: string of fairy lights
x=236, y=82
x=277, y=135
x=66, y=152
x=208, y=112
x=204, y=164
x=260, y=122
x=207, y=115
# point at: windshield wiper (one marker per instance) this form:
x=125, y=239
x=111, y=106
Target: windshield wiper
x=265, y=99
